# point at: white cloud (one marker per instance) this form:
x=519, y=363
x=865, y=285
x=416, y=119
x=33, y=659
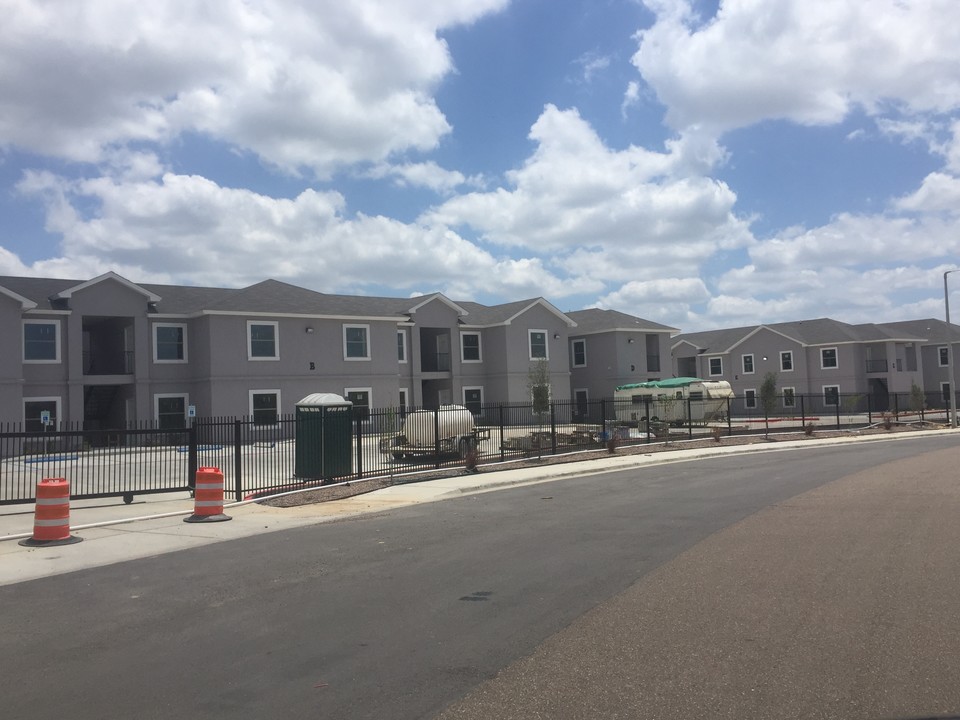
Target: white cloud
x=809, y=61
x=426, y=174
x=312, y=85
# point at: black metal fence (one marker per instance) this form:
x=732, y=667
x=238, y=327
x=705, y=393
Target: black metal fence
x=402, y=444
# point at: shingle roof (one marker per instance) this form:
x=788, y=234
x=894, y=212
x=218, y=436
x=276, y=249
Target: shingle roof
x=596, y=320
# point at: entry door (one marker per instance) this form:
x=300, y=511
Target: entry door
x=580, y=400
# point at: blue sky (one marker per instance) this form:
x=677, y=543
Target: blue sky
x=696, y=163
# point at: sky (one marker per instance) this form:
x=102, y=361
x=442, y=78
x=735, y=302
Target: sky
x=696, y=163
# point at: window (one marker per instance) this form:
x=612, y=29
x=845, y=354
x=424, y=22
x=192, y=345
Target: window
x=264, y=406
x=169, y=343
x=170, y=411
x=473, y=400
x=828, y=358
x=716, y=366
x=401, y=346
x=538, y=345
x=748, y=364
x=945, y=391
x=831, y=395
x=944, y=356
x=41, y=341
x=789, y=397
x=41, y=414
x=262, y=341
x=360, y=397
x=579, y=353
x=750, y=398
x=402, y=400
x=470, y=347
x=786, y=360
x=355, y=344
x=581, y=404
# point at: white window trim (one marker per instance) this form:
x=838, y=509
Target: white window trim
x=46, y=398
x=276, y=340
x=940, y=356
x=747, y=402
x=823, y=390
x=479, y=347
x=367, y=390
x=402, y=334
x=465, y=388
x=710, y=366
x=157, y=397
x=783, y=396
x=546, y=344
x=264, y=391
x=836, y=355
x=182, y=326
x=366, y=329
x=405, y=403
x=743, y=363
x=792, y=363
x=573, y=353
x=23, y=342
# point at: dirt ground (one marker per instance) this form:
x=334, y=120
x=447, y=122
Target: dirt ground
x=359, y=487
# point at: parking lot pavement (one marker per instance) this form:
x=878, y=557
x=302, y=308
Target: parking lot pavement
x=112, y=531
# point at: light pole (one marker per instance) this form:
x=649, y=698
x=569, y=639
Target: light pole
x=951, y=393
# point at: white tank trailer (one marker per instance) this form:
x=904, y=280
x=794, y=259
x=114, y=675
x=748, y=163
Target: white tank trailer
x=453, y=424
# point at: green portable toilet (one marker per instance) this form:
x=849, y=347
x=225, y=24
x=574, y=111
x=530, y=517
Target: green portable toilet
x=324, y=437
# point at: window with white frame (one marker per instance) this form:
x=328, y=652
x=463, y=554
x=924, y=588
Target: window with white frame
x=716, y=366
x=789, y=397
x=360, y=397
x=265, y=406
x=170, y=410
x=41, y=341
x=41, y=414
x=831, y=395
x=944, y=355
x=579, y=353
x=473, y=400
x=401, y=346
x=539, y=349
x=356, y=342
x=786, y=360
x=750, y=398
x=403, y=401
x=828, y=358
x=262, y=340
x=169, y=342
x=470, y=350
x=945, y=391
x=748, y=364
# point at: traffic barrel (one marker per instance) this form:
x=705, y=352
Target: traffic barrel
x=51, y=519
x=208, y=497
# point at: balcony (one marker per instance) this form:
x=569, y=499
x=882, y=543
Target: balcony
x=877, y=366
x=103, y=363
x=436, y=362
x=653, y=363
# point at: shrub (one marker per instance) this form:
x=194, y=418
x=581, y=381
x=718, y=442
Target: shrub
x=809, y=428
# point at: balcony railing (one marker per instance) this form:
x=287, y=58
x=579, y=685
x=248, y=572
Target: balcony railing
x=653, y=363
x=437, y=362
x=877, y=366
x=120, y=363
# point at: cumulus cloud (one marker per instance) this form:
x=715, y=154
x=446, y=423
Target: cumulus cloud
x=809, y=62
x=314, y=85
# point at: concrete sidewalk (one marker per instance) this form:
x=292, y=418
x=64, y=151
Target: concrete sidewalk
x=114, y=532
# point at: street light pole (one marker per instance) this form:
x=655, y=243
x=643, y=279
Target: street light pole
x=951, y=394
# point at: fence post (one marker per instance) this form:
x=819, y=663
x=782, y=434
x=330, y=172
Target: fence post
x=436, y=437
x=838, y=411
x=502, y=451
x=729, y=420
x=603, y=419
x=359, y=434
x=896, y=405
x=237, y=459
x=646, y=414
x=192, y=464
x=803, y=413
x=690, y=418
x=869, y=409
x=553, y=429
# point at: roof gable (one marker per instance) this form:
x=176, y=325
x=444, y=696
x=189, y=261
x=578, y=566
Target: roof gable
x=68, y=292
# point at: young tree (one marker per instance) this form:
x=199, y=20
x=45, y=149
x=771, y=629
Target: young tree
x=768, y=399
x=538, y=383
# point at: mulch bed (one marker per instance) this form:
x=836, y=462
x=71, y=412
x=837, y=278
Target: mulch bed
x=360, y=487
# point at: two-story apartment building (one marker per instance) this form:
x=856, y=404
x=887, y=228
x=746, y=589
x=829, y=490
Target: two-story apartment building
x=108, y=352
x=610, y=348
x=821, y=357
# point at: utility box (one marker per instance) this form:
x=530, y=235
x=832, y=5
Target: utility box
x=324, y=437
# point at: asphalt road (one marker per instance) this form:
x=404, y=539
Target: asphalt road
x=717, y=588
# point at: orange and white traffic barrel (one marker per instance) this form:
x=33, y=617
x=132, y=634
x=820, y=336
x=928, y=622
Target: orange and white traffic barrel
x=208, y=497
x=51, y=519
